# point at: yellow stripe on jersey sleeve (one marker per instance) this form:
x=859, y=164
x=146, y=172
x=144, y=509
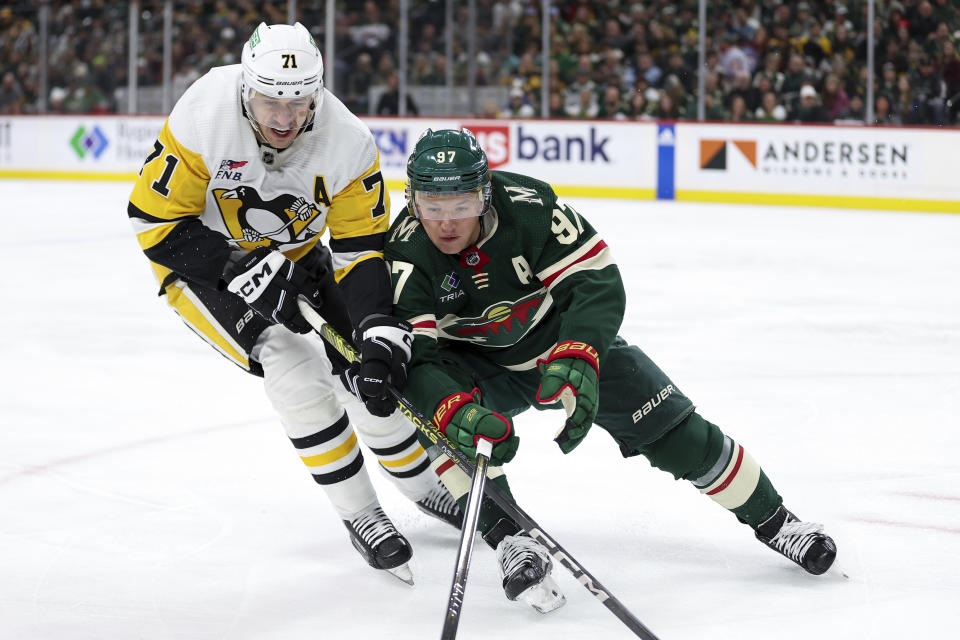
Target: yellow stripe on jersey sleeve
x=362, y=208
x=153, y=234
x=340, y=274
x=172, y=186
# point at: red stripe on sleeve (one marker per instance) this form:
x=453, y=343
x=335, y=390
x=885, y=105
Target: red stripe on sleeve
x=597, y=248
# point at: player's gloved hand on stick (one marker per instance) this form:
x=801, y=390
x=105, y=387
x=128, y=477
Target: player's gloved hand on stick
x=381, y=406
x=570, y=374
x=465, y=421
x=269, y=283
x=385, y=344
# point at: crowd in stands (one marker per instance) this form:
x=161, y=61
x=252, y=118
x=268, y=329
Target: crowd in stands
x=766, y=60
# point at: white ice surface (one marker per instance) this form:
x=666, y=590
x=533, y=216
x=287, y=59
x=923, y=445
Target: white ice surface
x=147, y=491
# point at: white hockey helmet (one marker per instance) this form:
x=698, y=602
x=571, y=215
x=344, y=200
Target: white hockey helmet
x=281, y=63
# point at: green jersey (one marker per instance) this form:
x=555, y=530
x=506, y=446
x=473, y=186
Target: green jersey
x=539, y=274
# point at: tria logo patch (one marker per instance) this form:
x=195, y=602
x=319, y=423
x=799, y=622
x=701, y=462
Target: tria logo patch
x=450, y=281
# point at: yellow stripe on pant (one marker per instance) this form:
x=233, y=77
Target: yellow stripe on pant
x=203, y=323
x=333, y=455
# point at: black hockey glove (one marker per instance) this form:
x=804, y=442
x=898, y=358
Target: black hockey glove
x=381, y=406
x=385, y=344
x=269, y=283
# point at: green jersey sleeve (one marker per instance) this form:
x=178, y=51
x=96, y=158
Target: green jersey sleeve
x=577, y=268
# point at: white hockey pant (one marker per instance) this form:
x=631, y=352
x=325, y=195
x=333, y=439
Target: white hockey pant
x=298, y=382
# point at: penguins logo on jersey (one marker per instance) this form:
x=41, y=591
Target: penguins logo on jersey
x=255, y=222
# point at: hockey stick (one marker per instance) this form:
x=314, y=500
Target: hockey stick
x=467, y=534
x=497, y=494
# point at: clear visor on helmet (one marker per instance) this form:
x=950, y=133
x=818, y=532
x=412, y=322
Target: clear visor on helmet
x=282, y=114
x=448, y=206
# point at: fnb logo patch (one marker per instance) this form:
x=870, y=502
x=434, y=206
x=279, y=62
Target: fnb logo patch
x=231, y=165
x=495, y=141
x=230, y=170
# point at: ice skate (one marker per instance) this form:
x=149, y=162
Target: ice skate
x=525, y=566
x=441, y=505
x=380, y=544
x=803, y=542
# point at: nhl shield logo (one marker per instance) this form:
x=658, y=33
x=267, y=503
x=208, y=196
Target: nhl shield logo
x=474, y=258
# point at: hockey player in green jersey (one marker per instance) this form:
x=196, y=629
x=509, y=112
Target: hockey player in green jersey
x=515, y=301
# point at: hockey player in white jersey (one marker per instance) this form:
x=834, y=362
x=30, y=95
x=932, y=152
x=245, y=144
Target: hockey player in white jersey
x=255, y=161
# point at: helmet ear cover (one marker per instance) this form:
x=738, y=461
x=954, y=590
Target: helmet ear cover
x=282, y=63
x=449, y=162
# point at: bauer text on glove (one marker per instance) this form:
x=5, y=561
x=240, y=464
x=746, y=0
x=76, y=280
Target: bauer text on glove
x=464, y=421
x=570, y=375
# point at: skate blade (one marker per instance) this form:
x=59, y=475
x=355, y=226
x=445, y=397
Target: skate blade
x=544, y=597
x=837, y=571
x=403, y=573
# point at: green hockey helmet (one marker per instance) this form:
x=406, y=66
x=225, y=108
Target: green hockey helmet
x=448, y=164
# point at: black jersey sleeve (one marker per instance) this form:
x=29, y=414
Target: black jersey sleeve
x=366, y=289
x=190, y=250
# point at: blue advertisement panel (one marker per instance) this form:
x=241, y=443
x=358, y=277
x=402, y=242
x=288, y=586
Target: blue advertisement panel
x=666, y=144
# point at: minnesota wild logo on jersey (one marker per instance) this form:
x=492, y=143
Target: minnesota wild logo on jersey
x=533, y=253
x=501, y=324
x=255, y=222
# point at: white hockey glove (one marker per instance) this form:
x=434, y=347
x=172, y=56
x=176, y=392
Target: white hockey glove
x=269, y=283
x=385, y=344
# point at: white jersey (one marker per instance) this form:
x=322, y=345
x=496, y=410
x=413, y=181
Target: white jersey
x=207, y=166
